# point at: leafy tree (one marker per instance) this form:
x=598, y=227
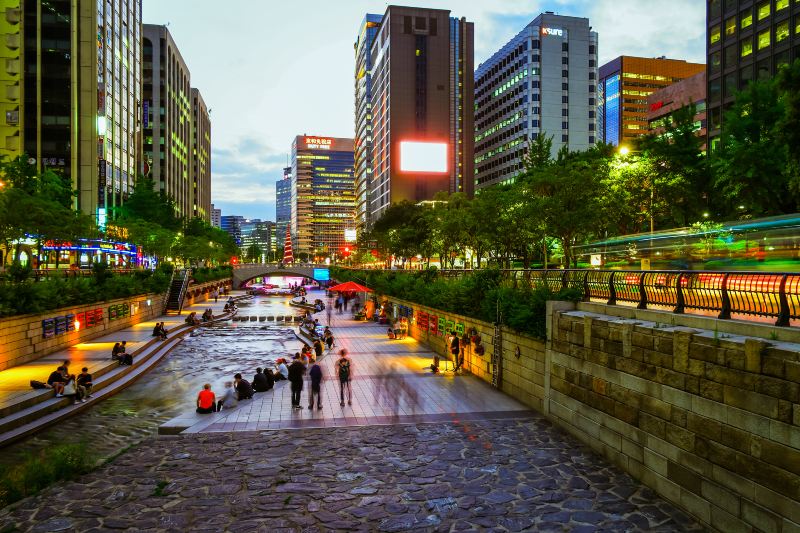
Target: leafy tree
x=752, y=164
x=145, y=203
x=788, y=81
x=679, y=169
x=253, y=253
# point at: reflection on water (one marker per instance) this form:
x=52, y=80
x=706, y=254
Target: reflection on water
x=211, y=355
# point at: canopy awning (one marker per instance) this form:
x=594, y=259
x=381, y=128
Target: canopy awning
x=350, y=286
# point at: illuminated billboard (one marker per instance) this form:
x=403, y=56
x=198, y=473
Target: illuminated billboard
x=350, y=235
x=322, y=274
x=427, y=157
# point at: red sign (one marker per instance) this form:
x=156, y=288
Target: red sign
x=422, y=320
x=656, y=106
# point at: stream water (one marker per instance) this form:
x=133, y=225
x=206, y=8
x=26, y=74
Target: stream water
x=210, y=355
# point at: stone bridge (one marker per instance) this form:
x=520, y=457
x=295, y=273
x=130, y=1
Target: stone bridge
x=244, y=273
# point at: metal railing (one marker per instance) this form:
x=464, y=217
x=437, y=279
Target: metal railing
x=759, y=294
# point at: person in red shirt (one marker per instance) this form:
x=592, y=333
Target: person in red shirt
x=206, y=400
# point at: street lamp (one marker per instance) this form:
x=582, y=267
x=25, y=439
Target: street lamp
x=624, y=150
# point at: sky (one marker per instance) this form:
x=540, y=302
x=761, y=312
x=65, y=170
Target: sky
x=273, y=69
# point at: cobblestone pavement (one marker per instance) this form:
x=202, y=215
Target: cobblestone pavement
x=479, y=475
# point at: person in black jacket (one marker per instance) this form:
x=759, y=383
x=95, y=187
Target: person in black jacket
x=244, y=391
x=296, y=372
x=261, y=383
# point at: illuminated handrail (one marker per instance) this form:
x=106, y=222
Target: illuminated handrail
x=759, y=294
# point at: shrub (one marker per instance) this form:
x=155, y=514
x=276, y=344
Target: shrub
x=37, y=471
x=480, y=295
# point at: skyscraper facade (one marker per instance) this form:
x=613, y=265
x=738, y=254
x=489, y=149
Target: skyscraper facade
x=216, y=217
x=422, y=107
x=283, y=203
x=168, y=139
x=323, y=195
x=201, y=157
x=663, y=104
x=542, y=82
x=747, y=40
x=625, y=84
x=72, y=96
x=260, y=233
x=233, y=225
x=11, y=78
x=363, y=115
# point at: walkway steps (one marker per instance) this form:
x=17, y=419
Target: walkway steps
x=42, y=408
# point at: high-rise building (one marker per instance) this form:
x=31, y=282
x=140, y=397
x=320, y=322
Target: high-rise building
x=323, y=195
x=625, y=84
x=168, y=138
x=283, y=202
x=422, y=107
x=262, y=234
x=216, y=217
x=201, y=157
x=363, y=107
x=71, y=93
x=747, y=40
x=663, y=103
x=542, y=82
x=233, y=225
x=11, y=78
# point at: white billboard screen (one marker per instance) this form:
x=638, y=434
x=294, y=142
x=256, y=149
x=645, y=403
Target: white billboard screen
x=426, y=157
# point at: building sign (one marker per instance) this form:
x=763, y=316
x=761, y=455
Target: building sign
x=556, y=32
x=60, y=325
x=423, y=157
x=350, y=235
x=146, y=113
x=318, y=143
x=438, y=325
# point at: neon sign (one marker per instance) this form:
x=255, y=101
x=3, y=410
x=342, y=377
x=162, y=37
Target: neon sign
x=318, y=143
x=557, y=32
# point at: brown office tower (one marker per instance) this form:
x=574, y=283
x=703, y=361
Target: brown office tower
x=422, y=107
x=625, y=84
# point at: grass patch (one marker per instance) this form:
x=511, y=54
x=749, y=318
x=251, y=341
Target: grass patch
x=160, y=486
x=36, y=471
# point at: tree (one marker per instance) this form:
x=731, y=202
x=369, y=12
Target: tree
x=680, y=172
x=751, y=166
x=570, y=196
x=788, y=81
x=253, y=253
x=147, y=204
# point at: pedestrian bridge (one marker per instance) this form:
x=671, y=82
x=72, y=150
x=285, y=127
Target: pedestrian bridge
x=244, y=273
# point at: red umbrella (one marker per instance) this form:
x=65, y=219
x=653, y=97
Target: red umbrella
x=350, y=286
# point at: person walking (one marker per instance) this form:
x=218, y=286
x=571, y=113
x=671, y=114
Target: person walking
x=315, y=373
x=344, y=368
x=216, y=295
x=296, y=372
x=455, y=350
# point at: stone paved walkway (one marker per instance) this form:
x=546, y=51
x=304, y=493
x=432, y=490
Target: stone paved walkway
x=490, y=475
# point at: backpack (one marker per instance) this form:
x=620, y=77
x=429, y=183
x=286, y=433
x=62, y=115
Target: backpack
x=38, y=385
x=344, y=370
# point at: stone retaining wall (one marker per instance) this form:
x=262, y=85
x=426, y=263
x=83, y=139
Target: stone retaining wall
x=22, y=339
x=709, y=420
x=202, y=291
x=522, y=377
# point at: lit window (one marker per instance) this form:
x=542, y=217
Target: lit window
x=715, y=34
x=747, y=48
x=747, y=19
x=763, y=10
x=730, y=26
x=763, y=39
x=781, y=4
x=782, y=31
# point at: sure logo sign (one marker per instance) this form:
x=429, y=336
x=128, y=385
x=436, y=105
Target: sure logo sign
x=553, y=31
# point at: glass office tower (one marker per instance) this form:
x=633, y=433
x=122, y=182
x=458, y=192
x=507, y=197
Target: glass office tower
x=323, y=195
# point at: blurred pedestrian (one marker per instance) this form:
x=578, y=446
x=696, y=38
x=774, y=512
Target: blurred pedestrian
x=344, y=369
x=315, y=373
x=296, y=372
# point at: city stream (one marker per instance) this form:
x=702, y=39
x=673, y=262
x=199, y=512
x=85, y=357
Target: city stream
x=210, y=355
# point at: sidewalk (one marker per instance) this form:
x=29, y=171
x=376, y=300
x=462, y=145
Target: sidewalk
x=95, y=355
x=381, y=370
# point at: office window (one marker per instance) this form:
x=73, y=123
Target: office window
x=730, y=84
x=746, y=18
x=745, y=76
x=730, y=27
x=565, y=138
x=782, y=31
x=536, y=58
x=731, y=58
x=730, y=5
x=762, y=70
x=565, y=86
x=763, y=10
x=714, y=91
x=565, y=73
x=763, y=39
x=781, y=4
x=714, y=35
x=714, y=8
x=565, y=47
x=565, y=112
x=797, y=25
x=715, y=62
x=565, y=61
x=565, y=125
x=782, y=60
x=591, y=139
x=746, y=47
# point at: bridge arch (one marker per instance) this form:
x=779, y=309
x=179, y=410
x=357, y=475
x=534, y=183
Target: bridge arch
x=244, y=273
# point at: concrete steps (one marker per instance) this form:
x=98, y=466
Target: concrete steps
x=42, y=408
